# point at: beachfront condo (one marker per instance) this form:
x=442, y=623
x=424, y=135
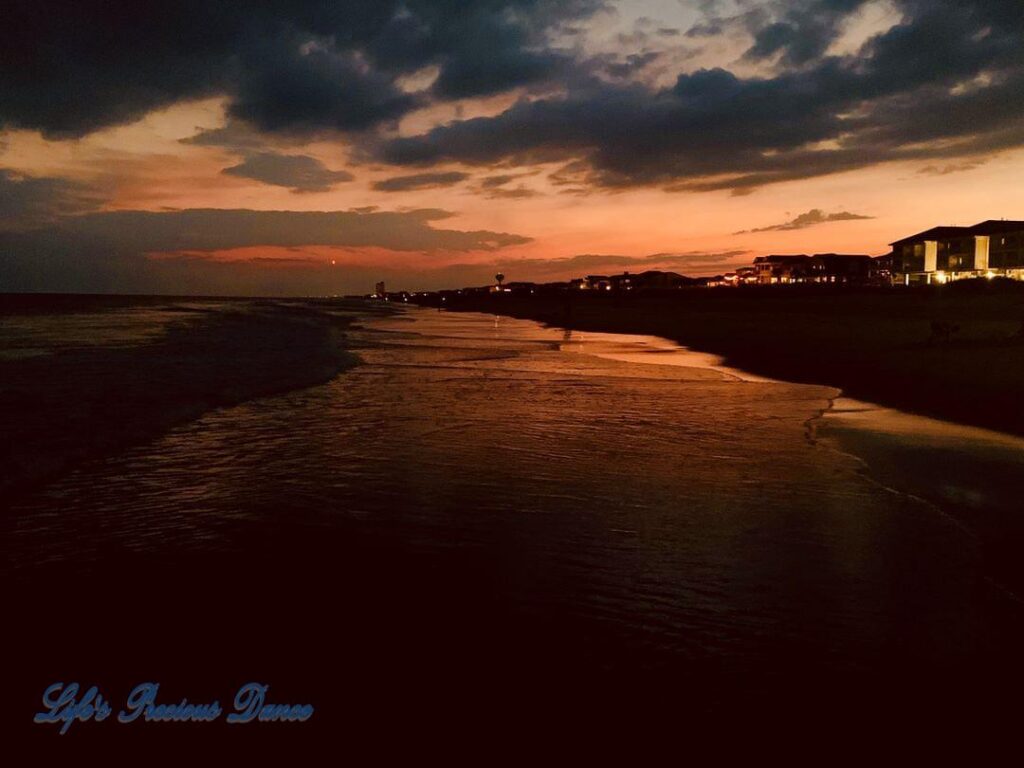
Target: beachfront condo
x=942, y=254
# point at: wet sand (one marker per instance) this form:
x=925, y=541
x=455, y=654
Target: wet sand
x=926, y=448
x=874, y=345
x=972, y=475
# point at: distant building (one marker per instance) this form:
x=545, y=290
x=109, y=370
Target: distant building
x=742, y=276
x=941, y=254
x=623, y=282
x=842, y=268
x=652, y=279
x=882, y=271
x=521, y=288
x=553, y=288
x=1006, y=248
x=775, y=269
x=593, y=283
x=655, y=279
x=746, y=275
x=380, y=291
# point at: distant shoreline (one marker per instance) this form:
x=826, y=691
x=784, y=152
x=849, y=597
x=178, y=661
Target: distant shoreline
x=83, y=403
x=874, y=345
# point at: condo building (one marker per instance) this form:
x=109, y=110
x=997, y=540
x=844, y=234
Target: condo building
x=942, y=254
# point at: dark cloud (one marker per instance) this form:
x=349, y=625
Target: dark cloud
x=480, y=47
x=301, y=173
x=494, y=187
x=811, y=218
x=942, y=86
x=235, y=136
x=209, y=229
x=313, y=85
x=27, y=201
x=805, y=31
x=478, y=69
x=68, y=67
x=111, y=251
x=420, y=181
x=500, y=180
x=949, y=168
x=943, y=83
x=515, y=193
x=715, y=21
x=628, y=66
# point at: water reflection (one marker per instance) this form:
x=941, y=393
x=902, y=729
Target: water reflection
x=618, y=503
x=33, y=335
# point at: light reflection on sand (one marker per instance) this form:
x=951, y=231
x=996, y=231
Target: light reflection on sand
x=856, y=414
x=654, y=350
x=955, y=466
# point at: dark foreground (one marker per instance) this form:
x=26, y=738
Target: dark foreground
x=112, y=371
x=487, y=542
x=874, y=344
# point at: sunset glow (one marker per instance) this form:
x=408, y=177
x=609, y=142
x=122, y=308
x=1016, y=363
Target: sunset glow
x=756, y=145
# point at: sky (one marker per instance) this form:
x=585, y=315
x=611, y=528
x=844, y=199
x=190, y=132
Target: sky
x=314, y=147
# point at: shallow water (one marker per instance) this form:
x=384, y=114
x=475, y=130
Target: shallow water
x=38, y=334
x=610, y=503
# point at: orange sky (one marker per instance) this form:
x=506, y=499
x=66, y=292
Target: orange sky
x=148, y=165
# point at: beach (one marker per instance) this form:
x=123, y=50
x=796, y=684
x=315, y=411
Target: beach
x=485, y=508
x=873, y=344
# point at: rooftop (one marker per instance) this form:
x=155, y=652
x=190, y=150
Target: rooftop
x=935, y=233
x=990, y=227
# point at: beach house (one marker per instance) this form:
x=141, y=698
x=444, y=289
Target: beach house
x=942, y=254
x=781, y=268
x=840, y=268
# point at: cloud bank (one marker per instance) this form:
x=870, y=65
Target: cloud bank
x=27, y=201
x=941, y=84
x=810, y=219
x=420, y=181
x=944, y=82
x=301, y=173
x=73, y=66
x=114, y=250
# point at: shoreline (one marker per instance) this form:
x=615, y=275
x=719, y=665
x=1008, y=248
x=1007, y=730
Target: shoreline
x=72, y=406
x=966, y=474
x=872, y=346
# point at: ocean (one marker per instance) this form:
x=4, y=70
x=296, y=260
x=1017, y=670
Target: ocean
x=483, y=519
